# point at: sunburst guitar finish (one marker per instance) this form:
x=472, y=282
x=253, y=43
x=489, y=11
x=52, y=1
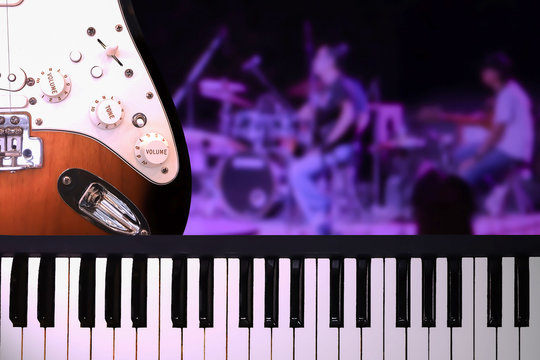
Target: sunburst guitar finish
x=79, y=90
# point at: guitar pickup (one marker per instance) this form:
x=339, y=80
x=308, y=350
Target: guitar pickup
x=10, y=3
x=13, y=102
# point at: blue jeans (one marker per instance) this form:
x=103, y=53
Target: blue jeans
x=303, y=175
x=493, y=166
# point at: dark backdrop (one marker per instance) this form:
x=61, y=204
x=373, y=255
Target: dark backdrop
x=416, y=47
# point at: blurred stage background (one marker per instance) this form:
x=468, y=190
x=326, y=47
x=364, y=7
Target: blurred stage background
x=408, y=55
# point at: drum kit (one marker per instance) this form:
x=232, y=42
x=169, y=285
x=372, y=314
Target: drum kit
x=241, y=170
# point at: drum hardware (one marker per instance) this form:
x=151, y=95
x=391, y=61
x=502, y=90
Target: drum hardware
x=263, y=127
x=186, y=90
x=252, y=66
x=18, y=150
x=227, y=93
x=101, y=204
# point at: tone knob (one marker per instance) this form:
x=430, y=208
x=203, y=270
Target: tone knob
x=54, y=85
x=152, y=149
x=107, y=112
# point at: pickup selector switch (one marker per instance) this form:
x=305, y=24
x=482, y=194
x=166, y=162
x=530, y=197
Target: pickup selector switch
x=54, y=85
x=107, y=113
x=152, y=149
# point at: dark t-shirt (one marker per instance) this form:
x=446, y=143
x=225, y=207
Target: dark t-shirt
x=328, y=106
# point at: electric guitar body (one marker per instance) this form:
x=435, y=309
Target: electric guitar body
x=89, y=138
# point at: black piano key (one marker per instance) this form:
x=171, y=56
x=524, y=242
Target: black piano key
x=271, y=293
x=454, y=296
x=46, y=290
x=139, y=292
x=113, y=292
x=522, y=292
x=87, y=292
x=179, y=293
x=206, y=293
x=337, y=286
x=428, y=292
x=363, y=293
x=494, y=292
x=403, y=290
x=246, y=294
x=18, y=292
x=297, y=293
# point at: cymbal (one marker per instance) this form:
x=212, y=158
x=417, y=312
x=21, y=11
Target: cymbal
x=230, y=99
x=402, y=143
x=211, y=143
x=221, y=85
x=225, y=91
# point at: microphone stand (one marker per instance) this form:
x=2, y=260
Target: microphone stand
x=187, y=88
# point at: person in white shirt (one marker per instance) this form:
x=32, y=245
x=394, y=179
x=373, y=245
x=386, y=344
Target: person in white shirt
x=510, y=140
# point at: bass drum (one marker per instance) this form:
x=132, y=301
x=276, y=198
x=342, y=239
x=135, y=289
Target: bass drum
x=249, y=185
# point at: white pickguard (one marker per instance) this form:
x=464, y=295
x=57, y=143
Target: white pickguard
x=42, y=34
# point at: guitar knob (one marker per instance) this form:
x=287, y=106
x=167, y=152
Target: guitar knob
x=107, y=113
x=54, y=85
x=152, y=149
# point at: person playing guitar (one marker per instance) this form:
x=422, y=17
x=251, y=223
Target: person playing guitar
x=332, y=112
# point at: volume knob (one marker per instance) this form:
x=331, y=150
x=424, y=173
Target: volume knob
x=152, y=149
x=54, y=85
x=107, y=113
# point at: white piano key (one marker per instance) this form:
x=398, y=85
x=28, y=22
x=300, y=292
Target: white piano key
x=56, y=344
x=305, y=341
x=530, y=343
x=350, y=335
x=440, y=342
x=79, y=338
x=33, y=341
x=238, y=338
x=508, y=334
x=193, y=334
x=282, y=337
x=260, y=342
x=418, y=336
x=394, y=338
x=372, y=337
x=462, y=338
x=216, y=336
x=170, y=338
x=102, y=336
x=125, y=335
x=148, y=338
x=327, y=338
x=10, y=337
x=484, y=337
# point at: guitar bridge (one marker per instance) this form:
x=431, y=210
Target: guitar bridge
x=18, y=150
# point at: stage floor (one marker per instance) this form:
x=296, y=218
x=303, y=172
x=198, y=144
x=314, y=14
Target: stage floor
x=485, y=225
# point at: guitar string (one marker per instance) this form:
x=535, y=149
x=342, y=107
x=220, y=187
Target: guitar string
x=8, y=55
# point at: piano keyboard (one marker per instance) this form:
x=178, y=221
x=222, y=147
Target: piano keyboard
x=241, y=307
x=123, y=308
